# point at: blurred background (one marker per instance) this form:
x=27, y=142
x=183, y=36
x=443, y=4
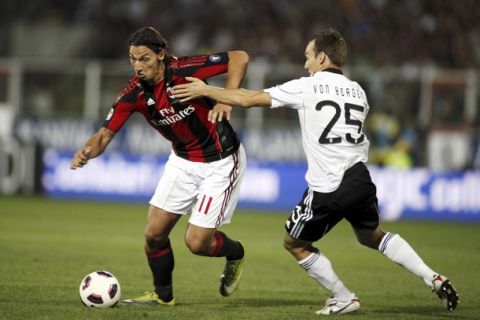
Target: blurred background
x=63, y=62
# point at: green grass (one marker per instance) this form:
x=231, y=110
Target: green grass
x=47, y=247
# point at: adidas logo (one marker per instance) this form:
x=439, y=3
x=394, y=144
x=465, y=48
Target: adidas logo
x=150, y=101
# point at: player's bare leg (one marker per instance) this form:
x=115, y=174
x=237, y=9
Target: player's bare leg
x=319, y=268
x=395, y=248
x=213, y=243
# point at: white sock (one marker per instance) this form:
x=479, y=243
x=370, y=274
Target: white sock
x=319, y=268
x=399, y=251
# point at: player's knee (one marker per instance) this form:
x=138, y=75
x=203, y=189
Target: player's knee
x=300, y=249
x=294, y=246
x=365, y=242
x=155, y=241
x=287, y=245
x=197, y=246
x=371, y=240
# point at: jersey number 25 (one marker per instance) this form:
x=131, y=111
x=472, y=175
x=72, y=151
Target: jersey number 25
x=324, y=139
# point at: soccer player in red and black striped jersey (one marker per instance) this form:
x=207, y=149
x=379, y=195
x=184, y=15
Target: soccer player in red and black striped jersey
x=205, y=168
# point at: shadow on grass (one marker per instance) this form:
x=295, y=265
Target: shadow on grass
x=226, y=303
x=411, y=312
x=271, y=302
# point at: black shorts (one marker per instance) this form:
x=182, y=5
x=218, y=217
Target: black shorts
x=355, y=200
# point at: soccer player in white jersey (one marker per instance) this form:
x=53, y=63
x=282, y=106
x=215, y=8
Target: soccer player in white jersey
x=332, y=110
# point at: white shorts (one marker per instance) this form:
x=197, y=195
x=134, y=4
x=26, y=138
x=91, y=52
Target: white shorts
x=207, y=191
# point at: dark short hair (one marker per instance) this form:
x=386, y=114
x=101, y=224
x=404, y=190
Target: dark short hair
x=149, y=37
x=331, y=42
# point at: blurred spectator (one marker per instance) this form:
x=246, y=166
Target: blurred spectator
x=398, y=156
x=381, y=32
x=382, y=129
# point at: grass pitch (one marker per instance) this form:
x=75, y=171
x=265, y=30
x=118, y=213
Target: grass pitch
x=47, y=247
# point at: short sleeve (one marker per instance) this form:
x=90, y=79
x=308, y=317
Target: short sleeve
x=288, y=94
x=202, y=66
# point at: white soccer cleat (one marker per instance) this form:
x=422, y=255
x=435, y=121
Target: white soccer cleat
x=333, y=306
x=445, y=291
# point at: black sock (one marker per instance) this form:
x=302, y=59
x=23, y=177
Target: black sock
x=161, y=264
x=226, y=247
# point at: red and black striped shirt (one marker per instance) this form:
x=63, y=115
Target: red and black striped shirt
x=186, y=125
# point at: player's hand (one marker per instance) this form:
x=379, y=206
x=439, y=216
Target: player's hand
x=81, y=158
x=218, y=112
x=189, y=91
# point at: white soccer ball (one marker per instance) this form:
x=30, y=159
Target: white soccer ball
x=100, y=289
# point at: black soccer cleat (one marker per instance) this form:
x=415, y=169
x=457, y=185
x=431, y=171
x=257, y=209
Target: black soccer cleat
x=446, y=291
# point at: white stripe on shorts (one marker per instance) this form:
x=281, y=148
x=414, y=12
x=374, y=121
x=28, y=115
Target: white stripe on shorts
x=305, y=216
x=233, y=177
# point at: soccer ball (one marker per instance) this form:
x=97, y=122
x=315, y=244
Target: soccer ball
x=100, y=289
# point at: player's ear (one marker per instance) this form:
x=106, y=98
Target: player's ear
x=321, y=57
x=161, y=55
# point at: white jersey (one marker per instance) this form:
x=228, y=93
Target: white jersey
x=332, y=111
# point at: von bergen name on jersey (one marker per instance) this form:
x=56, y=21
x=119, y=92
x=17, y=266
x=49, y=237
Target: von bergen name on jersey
x=339, y=91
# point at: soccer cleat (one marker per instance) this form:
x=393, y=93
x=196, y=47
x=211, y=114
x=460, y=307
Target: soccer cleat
x=149, y=298
x=231, y=276
x=445, y=291
x=333, y=306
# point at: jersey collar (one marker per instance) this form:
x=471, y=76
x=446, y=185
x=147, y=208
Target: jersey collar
x=334, y=70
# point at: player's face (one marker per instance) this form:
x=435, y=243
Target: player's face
x=313, y=61
x=147, y=64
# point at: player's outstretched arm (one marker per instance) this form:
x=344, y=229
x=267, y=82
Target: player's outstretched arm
x=94, y=147
x=234, y=97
